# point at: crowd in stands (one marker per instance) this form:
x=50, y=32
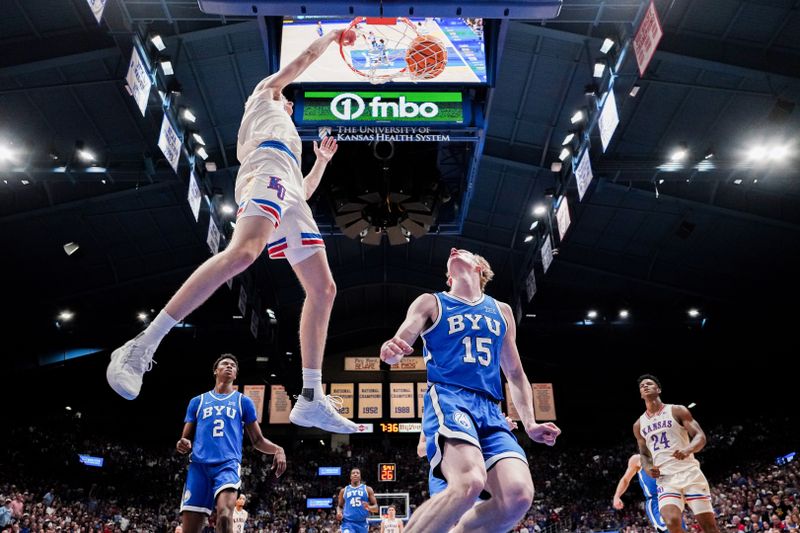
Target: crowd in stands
x=45, y=489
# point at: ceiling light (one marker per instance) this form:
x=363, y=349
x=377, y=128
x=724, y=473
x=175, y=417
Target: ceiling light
x=103, y=181
x=577, y=117
x=568, y=139
x=737, y=181
x=624, y=313
x=227, y=209
x=85, y=155
x=158, y=42
x=565, y=153
x=528, y=238
x=71, y=247
x=68, y=408
x=188, y=115
x=534, y=225
x=634, y=91
x=198, y=139
x=599, y=69
x=694, y=313
x=756, y=152
x=691, y=405
x=211, y=166
x=142, y=316
x=539, y=210
x=555, y=166
x=6, y=153
x=607, y=45
x=66, y=315
x=591, y=315
x=166, y=67
x=779, y=152
x=661, y=181
x=25, y=182
x=202, y=153
x=679, y=154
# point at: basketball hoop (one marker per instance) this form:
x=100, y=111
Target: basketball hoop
x=389, y=48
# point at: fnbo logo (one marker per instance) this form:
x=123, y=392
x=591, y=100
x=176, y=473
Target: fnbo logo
x=350, y=106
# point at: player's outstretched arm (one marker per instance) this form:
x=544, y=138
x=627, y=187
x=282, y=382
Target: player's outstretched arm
x=265, y=445
x=696, y=433
x=422, y=310
x=286, y=75
x=184, y=444
x=624, y=482
x=645, y=458
x=519, y=385
x=324, y=152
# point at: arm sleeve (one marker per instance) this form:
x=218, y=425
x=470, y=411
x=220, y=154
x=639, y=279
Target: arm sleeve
x=248, y=410
x=191, y=411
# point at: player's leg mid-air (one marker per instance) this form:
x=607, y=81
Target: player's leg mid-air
x=273, y=212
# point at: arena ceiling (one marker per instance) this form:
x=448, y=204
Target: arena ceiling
x=725, y=76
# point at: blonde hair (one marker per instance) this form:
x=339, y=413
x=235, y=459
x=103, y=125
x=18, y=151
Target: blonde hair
x=486, y=271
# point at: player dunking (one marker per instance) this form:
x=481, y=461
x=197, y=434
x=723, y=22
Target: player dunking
x=239, y=514
x=391, y=524
x=649, y=488
x=355, y=502
x=668, y=437
x=217, y=419
x=271, y=194
x=468, y=337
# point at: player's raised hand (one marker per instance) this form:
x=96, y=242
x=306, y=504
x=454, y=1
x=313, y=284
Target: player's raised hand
x=394, y=349
x=546, y=433
x=326, y=149
x=184, y=446
x=279, y=462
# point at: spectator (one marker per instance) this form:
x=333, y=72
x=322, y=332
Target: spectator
x=6, y=516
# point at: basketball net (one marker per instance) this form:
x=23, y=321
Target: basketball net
x=383, y=48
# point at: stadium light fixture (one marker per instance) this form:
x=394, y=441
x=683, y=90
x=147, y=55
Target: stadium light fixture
x=679, y=153
x=85, y=155
x=528, y=238
x=188, y=116
x=607, y=45
x=166, y=67
x=578, y=116
x=592, y=314
x=142, y=316
x=202, y=153
x=71, y=247
x=66, y=316
x=623, y=313
x=634, y=91
x=599, y=69
x=565, y=153
x=555, y=166
x=693, y=312
x=539, y=210
x=198, y=139
x=158, y=42
x=534, y=225
x=228, y=209
x=568, y=139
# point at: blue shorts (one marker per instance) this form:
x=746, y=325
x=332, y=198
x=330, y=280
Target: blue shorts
x=204, y=482
x=354, y=527
x=452, y=412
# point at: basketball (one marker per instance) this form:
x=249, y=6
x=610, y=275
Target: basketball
x=348, y=37
x=426, y=58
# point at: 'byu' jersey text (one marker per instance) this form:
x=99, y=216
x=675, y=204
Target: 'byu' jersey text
x=220, y=422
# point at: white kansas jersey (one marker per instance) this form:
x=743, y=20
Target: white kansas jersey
x=391, y=526
x=664, y=435
x=266, y=119
x=239, y=520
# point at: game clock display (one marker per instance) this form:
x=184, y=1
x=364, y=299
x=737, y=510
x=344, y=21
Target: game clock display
x=387, y=472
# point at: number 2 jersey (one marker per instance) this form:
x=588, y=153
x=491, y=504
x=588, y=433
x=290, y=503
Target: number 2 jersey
x=664, y=435
x=462, y=347
x=219, y=425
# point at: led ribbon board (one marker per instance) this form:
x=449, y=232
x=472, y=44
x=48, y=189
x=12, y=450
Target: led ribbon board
x=385, y=107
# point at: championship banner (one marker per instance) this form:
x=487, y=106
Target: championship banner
x=362, y=364
x=647, y=38
x=345, y=392
x=138, y=80
x=194, y=197
x=170, y=143
x=370, y=400
x=256, y=393
x=401, y=400
x=547, y=254
x=410, y=364
x=212, y=238
x=563, y=219
x=97, y=7
x=544, y=405
x=608, y=120
x=511, y=412
x=583, y=174
x=422, y=388
x=280, y=405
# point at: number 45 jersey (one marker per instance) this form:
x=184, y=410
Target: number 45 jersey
x=664, y=435
x=219, y=428
x=462, y=347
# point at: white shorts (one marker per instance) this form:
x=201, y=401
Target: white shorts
x=689, y=487
x=270, y=185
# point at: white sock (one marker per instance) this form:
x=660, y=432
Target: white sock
x=312, y=384
x=158, y=329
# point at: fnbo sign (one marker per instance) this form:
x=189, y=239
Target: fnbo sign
x=383, y=107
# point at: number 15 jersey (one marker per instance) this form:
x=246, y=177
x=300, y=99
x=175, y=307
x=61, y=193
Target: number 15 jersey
x=664, y=434
x=219, y=425
x=462, y=347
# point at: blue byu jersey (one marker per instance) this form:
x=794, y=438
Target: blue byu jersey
x=462, y=348
x=219, y=426
x=649, y=487
x=353, y=497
